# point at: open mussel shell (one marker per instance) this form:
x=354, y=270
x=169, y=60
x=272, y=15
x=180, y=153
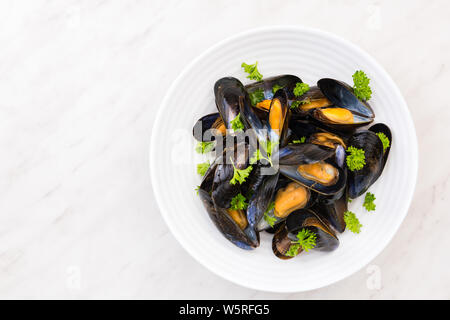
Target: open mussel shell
x=286, y=233
x=261, y=198
x=347, y=112
x=381, y=127
x=212, y=122
x=286, y=81
x=221, y=218
x=310, y=128
x=314, y=167
x=281, y=242
x=312, y=99
x=278, y=118
x=287, y=199
x=360, y=180
x=332, y=211
x=229, y=94
x=293, y=154
x=222, y=189
x=292, y=197
x=306, y=218
x=341, y=94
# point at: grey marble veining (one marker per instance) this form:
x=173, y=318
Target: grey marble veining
x=80, y=82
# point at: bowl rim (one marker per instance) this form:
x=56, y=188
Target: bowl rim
x=320, y=33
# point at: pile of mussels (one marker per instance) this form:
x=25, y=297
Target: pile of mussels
x=310, y=184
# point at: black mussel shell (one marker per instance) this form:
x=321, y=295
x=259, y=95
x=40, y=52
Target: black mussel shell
x=306, y=218
x=229, y=95
x=333, y=211
x=381, y=127
x=360, y=180
x=222, y=190
x=221, y=219
x=341, y=95
x=260, y=199
x=292, y=156
x=287, y=82
x=281, y=242
x=211, y=121
x=278, y=117
x=312, y=99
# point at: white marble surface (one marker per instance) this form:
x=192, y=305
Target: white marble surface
x=80, y=82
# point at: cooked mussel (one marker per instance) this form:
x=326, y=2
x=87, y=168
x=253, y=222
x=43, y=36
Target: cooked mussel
x=383, y=129
x=293, y=196
x=266, y=87
x=312, y=99
x=346, y=112
x=314, y=167
x=229, y=95
x=212, y=122
x=332, y=210
x=260, y=200
x=360, y=180
x=278, y=118
x=223, y=191
x=229, y=224
x=286, y=235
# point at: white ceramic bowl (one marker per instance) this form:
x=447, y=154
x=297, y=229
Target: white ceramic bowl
x=311, y=55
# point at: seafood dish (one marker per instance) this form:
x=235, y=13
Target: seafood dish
x=287, y=158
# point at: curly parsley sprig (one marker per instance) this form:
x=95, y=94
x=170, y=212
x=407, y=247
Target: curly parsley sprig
x=204, y=147
x=369, y=202
x=239, y=202
x=270, y=219
x=361, y=85
x=252, y=70
x=237, y=124
x=384, y=140
x=202, y=168
x=256, y=96
x=306, y=239
x=300, y=89
x=356, y=159
x=352, y=222
x=301, y=140
x=276, y=87
x=240, y=174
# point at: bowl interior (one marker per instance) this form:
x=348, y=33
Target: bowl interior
x=311, y=55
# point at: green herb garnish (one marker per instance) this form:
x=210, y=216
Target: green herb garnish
x=236, y=123
x=256, y=96
x=306, y=239
x=197, y=189
x=356, y=159
x=384, y=140
x=295, y=104
x=202, y=168
x=300, y=89
x=239, y=202
x=276, y=87
x=302, y=140
x=368, y=202
x=240, y=174
x=204, y=147
x=269, y=218
x=361, y=85
x=252, y=70
x=352, y=222
x=257, y=155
